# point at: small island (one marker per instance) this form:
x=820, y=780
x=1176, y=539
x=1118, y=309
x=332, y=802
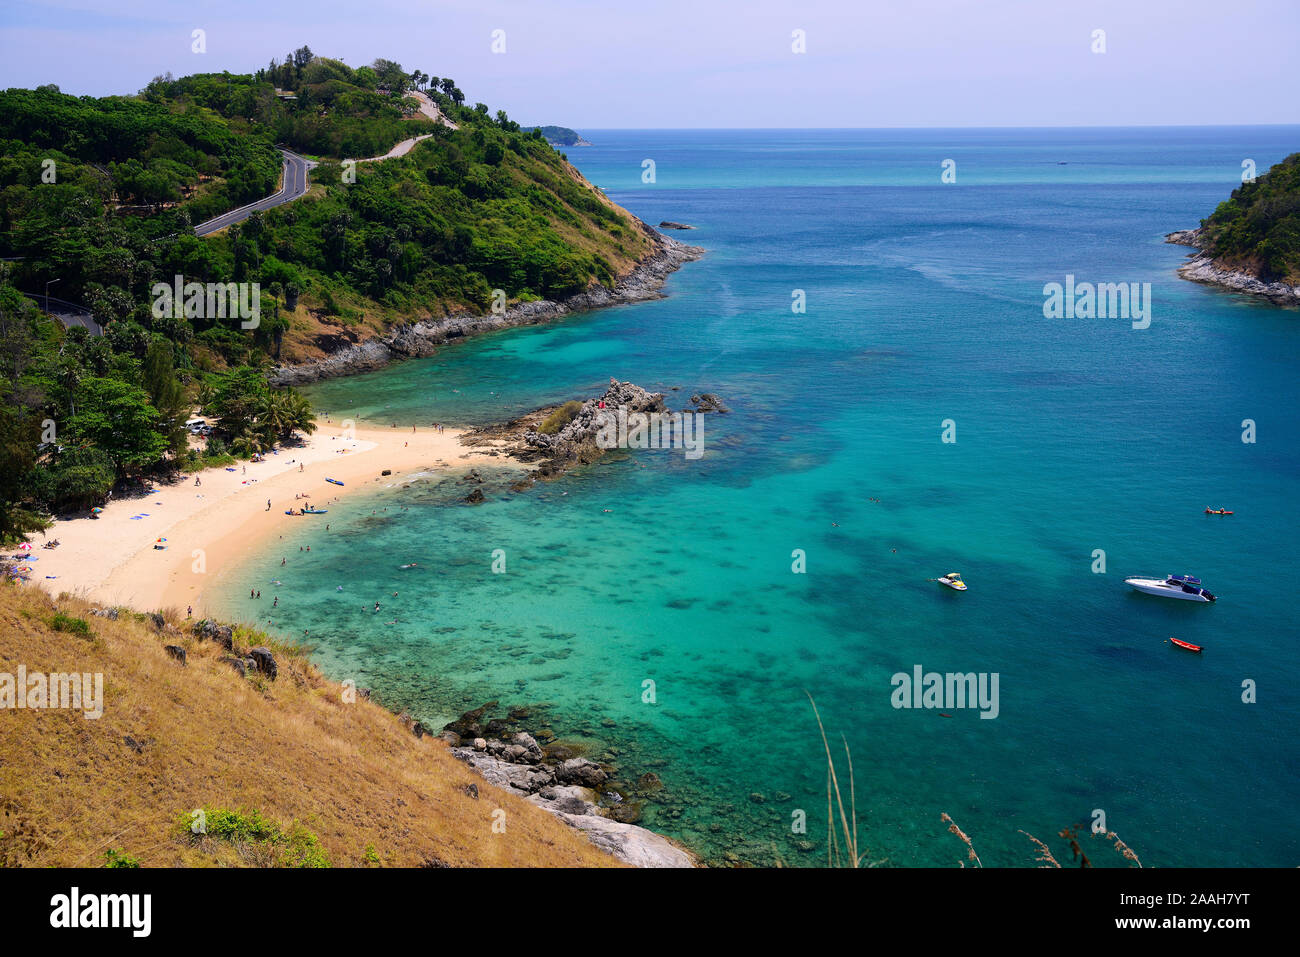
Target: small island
x=1251, y=242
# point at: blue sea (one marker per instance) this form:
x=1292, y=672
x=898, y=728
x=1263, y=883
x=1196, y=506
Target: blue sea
x=675, y=615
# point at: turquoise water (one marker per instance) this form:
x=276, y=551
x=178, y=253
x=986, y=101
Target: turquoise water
x=924, y=304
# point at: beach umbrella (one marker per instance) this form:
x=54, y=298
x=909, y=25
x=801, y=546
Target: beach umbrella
x=95, y=511
x=25, y=547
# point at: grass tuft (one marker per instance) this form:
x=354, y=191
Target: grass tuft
x=560, y=417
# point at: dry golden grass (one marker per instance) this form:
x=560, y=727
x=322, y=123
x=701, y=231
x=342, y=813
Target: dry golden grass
x=842, y=846
x=72, y=788
x=961, y=836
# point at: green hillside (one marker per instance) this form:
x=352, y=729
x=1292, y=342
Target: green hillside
x=98, y=197
x=1259, y=226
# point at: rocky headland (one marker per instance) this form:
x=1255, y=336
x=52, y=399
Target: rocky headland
x=419, y=339
x=1204, y=268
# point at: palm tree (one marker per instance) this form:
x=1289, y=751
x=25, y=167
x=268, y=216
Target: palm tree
x=246, y=443
x=204, y=396
x=270, y=418
x=296, y=414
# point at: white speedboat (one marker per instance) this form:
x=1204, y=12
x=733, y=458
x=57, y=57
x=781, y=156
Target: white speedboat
x=953, y=581
x=1175, y=586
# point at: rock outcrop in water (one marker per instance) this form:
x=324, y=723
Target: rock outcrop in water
x=575, y=442
x=419, y=339
x=1202, y=267
x=561, y=437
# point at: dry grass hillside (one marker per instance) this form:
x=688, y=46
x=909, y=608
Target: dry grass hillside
x=287, y=772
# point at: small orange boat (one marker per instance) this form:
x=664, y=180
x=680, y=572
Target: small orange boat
x=1185, y=644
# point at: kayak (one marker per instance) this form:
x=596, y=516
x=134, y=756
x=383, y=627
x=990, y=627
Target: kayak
x=333, y=481
x=314, y=511
x=1217, y=511
x=1185, y=644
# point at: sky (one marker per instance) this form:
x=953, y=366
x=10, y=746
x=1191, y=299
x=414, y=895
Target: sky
x=656, y=64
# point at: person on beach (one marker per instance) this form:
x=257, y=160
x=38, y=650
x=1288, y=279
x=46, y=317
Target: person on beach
x=259, y=594
x=189, y=611
x=268, y=504
x=299, y=466
x=197, y=482
x=251, y=593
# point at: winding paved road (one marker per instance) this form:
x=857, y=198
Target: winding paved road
x=69, y=313
x=295, y=185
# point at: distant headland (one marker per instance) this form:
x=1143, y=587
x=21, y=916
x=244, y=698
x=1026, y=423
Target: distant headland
x=1251, y=242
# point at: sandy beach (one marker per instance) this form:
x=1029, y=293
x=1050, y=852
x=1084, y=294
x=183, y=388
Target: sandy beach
x=213, y=526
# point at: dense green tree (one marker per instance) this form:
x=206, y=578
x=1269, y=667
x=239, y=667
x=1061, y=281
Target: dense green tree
x=76, y=477
x=1260, y=222
x=165, y=392
x=116, y=416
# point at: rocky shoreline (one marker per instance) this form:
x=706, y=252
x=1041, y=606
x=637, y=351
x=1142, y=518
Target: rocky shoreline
x=1203, y=268
x=420, y=339
x=585, y=795
x=580, y=792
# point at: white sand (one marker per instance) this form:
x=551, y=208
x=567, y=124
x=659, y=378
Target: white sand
x=214, y=526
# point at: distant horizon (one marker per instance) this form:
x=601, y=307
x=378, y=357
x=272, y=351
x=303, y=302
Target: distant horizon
x=830, y=64
x=795, y=129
